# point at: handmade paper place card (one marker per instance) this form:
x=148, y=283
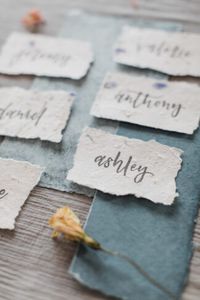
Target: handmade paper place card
x=34, y=114
x=45, y=56
x=150, y=102
x=17, y=179
x=174, y=53
x=121, y=166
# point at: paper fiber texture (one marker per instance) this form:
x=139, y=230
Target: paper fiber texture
x=34, y=114
x=121, y=166
x=17, y=179
x=45, y=56
x=150, y=102
x=174, y=53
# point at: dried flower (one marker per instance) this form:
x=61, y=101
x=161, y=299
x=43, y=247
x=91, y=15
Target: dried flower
x=33, y=20
x=65, y=222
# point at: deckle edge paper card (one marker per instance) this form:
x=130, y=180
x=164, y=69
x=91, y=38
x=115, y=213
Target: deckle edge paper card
x=34, y=114
x=45, y=56
x=17, y=179
x=173, y=53
x=122, y=166
x=172, y=106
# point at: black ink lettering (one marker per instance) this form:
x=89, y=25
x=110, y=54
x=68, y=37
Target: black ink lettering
x=107, y=162
x=119, y=162
x=176, y=111
x=35, y=54
x=123, y=167
x=38, y=116
x=161, y=48
x=99, y=159
x=3, y=193
x=146, y=101
x=3, y=110
x=28, y=115
x=142, y=172
x=137, y=99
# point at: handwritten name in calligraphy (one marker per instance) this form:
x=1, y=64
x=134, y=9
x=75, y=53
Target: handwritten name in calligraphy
x=124, y=167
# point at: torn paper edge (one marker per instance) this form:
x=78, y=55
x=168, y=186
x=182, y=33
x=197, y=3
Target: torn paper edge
x=39, y=168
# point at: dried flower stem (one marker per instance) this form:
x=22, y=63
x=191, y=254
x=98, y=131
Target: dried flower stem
x=140, y=270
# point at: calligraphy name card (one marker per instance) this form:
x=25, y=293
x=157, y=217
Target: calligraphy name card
x=174, y=53
x=17, y=179
x=155, y=103
x=121, y=166
x=45, y=56
x=34, y=114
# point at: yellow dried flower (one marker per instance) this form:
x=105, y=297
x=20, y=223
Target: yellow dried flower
x=65, y=222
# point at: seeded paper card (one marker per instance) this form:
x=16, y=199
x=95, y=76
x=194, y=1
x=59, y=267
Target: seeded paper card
x=174, y=53
x=34, y=114
x=122, y=166
x=45, y=56
x=17, y=179
x=156, y=103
